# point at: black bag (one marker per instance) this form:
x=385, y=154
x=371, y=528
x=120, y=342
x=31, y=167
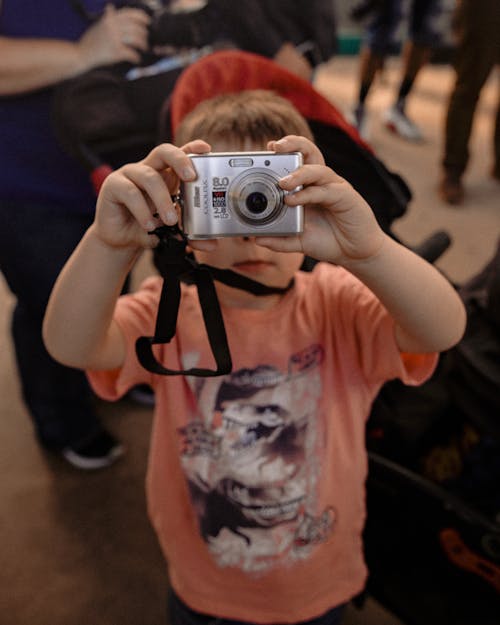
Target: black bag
x=465, y=386
x=385, y=191
x=433, y=485
x=111, y=113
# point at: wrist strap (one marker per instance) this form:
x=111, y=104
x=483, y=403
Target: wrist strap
x=175, y=264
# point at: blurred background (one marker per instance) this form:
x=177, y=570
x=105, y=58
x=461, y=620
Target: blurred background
x=76, y=547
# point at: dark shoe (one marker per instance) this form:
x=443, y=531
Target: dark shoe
x=451, y=189
x=142, y=394
x=96, y=452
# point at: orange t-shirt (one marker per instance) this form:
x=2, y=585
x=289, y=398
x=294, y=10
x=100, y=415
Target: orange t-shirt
x=256, y=479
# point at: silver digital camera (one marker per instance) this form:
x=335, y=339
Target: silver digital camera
x=237, y=194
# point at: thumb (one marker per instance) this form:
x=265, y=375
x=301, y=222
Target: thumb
x=281, y=244
x=109, y=10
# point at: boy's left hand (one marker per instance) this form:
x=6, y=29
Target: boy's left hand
x=339, y=226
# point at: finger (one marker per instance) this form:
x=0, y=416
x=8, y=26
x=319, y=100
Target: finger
x=309, y=175
x=168, y=155
x=129, y=54
x=194, y=147
x=151, y=183
x=171, y=180
x=293, y=143
x=109, y=10
x=131, y=197
x=334, y=195
x=136, y=38
x=129, y=15
x=281, y=244
x=147, y=240
x=205, y=245
x=198, y=146
x=135, y=35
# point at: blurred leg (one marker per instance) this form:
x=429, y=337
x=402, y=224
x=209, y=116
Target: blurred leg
x=476, y=56
x=422, y=37
x=415, y=56
x=378, y=41
x=34, y=244
x=496, y=138
x=416, y=53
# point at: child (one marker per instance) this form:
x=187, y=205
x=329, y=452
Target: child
x=256, y=479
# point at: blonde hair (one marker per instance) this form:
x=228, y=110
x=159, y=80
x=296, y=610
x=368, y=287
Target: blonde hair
x=255, y=115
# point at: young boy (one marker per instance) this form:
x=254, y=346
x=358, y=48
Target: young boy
x=256, y=479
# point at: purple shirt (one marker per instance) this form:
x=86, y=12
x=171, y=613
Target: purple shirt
x=33, y=168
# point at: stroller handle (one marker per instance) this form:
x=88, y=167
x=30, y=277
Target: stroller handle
x=446, y=500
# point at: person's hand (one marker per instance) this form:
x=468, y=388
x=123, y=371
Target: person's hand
x=120, y=35
x=289, y=58
x=136, y=198
x=339, y=226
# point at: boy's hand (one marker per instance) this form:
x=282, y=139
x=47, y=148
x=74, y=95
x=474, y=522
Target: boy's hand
x=339, y=226
x=136, y=198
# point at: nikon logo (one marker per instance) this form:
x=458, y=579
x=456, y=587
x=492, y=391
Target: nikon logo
x=196, y=200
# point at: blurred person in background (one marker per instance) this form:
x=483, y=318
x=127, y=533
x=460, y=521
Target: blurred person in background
x=380, y=40
x=298, y=35
x=478, y=51
x=47, y=201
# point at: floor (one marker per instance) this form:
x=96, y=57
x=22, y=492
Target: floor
x=77, y=548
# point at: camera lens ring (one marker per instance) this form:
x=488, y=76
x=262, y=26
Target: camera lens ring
x=258, y=184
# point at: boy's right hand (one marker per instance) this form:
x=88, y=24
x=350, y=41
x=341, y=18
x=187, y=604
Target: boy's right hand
x=136, y=198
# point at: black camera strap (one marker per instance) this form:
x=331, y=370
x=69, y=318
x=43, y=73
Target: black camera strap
x=174, y=265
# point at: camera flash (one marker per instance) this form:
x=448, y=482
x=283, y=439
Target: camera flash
x=241, y=162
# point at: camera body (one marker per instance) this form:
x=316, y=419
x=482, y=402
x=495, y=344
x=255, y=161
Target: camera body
x=237, y=194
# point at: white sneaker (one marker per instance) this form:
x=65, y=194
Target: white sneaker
x=98, y=451
x=396, y=121
x=358, y=118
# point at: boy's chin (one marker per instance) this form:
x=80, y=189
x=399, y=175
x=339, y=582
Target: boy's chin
x=231, y=297
x=254, y=268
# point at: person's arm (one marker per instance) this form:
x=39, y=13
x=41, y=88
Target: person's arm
x=289, y=58
x=78, y=327
x=340, y=228
x=30, y=64
x=428, y=312
x=266, y=36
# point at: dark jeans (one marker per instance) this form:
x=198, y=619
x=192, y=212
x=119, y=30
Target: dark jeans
x=382, y=31
x=35, y=242
x=478, y=51
x=180, y=614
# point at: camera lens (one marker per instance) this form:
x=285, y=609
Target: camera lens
x=256, y=198
x=256, y=202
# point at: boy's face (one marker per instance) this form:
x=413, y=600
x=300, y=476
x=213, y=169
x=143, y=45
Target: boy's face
x=244, y=256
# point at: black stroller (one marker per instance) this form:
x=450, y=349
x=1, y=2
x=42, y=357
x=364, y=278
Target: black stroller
x=420, y=533
x=433, y=530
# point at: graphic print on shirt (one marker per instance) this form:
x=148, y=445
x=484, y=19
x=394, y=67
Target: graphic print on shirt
x=252, y=462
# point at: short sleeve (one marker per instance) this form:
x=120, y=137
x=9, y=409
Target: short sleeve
x=135, y=315
x=380, y=357
x=364, y=332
